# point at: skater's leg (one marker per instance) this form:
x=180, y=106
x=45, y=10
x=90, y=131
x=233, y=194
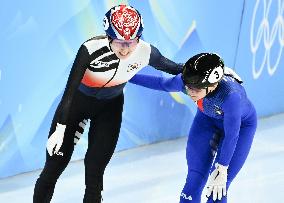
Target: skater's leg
x=53, y=168
x=103, y=136
x=56, y=163
x=199, y=158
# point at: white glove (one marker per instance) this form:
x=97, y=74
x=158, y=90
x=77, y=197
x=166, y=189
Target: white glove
x=229, y=71
x=217, y=182
x=55, y=140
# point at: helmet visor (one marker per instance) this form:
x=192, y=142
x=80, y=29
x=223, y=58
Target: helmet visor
x=124, y=43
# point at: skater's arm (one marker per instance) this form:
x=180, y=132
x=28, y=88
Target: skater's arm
x=232, y=122
x=167, y=84
x=159, y=62
x=76, y=74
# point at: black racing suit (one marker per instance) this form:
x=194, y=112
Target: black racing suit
x=94, y=91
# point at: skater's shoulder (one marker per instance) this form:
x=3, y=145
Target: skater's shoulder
x=96, y=43
x=96, y=38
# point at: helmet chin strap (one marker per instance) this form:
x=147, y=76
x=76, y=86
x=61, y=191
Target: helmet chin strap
x=207, y=90
x=109, y=41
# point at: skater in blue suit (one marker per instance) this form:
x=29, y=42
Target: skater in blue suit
x=225, y=120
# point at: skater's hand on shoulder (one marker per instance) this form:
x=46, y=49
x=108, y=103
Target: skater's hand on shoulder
x=217, y=182
x=55, y=141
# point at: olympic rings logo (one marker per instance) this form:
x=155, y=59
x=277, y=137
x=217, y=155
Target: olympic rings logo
x=269, y=35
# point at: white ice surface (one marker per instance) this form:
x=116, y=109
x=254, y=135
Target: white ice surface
x=156, y=174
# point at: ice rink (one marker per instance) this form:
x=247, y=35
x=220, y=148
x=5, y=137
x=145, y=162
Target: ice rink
x=156, y=174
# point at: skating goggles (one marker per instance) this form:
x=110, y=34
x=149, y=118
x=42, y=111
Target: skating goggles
x=125, y=43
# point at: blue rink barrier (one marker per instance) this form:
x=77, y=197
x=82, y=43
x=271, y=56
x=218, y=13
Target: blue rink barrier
x=39, y=42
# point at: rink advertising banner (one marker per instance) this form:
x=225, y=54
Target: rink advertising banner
x=39, y=41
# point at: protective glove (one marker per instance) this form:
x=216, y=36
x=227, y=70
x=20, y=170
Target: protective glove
x=232, y=73
x=55, y=140
x=217, y=182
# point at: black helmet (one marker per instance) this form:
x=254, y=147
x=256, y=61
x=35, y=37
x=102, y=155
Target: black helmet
x=203, y=70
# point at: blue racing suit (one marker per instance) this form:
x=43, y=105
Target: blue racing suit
x=226, y=111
